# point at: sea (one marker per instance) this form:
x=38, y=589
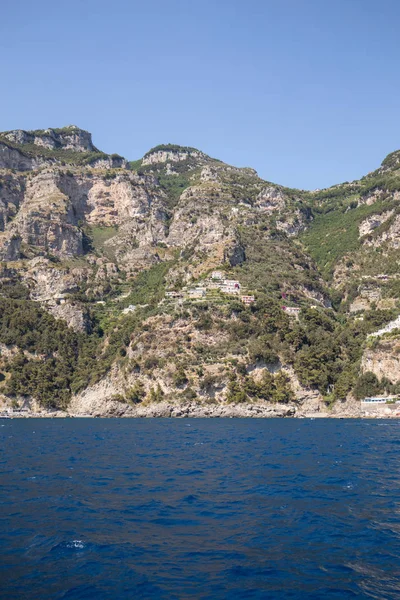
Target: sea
x=199, y=508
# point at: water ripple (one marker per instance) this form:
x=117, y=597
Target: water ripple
x=213, y=510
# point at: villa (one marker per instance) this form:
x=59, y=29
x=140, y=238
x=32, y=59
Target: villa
x=198, y=292
x=380, y=400
x=230, y=286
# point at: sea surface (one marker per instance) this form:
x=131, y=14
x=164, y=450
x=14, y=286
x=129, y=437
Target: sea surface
x=197, y=508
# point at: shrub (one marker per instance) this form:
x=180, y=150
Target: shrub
x=136, y=393
x=236, y=394
x=156, y=394
x=179, y=377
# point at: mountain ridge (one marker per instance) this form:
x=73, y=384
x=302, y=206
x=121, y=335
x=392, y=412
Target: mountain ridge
x=110, y=252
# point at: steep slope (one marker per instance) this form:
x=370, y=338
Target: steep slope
x=354, y=236
x=177, y=277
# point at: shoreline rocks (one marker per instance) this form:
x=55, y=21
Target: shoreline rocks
x=115, y=409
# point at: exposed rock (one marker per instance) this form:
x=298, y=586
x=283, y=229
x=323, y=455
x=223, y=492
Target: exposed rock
x=390, y=237
x=383, y=359
x=68, y=138
x=208, y=174
x=11, y=158
x=291, y=224
x=163, y=156
x=371, y=223
x=10, y=245
x=72, y=314
x=85, y=231
x=270, y=198
x=47, y=283
x=235, y=255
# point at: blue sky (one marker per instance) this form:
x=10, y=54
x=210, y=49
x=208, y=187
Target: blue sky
x=305, y=91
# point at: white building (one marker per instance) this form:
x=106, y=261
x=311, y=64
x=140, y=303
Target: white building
x=247, y=299
x=379, y=400
x=230, y=286
x=292, y=311
x=198, y=292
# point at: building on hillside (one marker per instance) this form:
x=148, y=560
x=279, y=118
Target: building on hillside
x=214, y=285
x=247, y=299
x=173, y=295
x=379, y=400
x=198, y=292
x=230, y=286
x=217, y=275
x=292, y=311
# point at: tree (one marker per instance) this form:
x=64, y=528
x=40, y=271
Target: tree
x=367, y=385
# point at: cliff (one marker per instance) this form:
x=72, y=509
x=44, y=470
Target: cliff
x=180, y=281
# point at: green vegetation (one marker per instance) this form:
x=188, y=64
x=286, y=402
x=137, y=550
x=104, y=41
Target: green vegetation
x=170, y=148
x=69, y=129
x=62, y=155
x=95, y=237
x=181, y=341
x=174, y=185
x=335, y=234
x=149, y=285
x=271, y=388
x=51, y=358
x=135, y=165
x=274, y=263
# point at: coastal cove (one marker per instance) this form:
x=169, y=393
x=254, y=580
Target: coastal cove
x=199, y=508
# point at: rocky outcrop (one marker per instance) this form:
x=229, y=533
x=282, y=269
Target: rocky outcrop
x=10, y=245
x=11, y=158
x=270, y=199
x=163, y=156
x=390, y=237
x=235, y=254
x=68, y=138
x=383, y=359
x=292, y=224
x=56, y=203
x=28, y=150
x=209, y=174
x=371, y=223
x=76, y=318
x=48, y=283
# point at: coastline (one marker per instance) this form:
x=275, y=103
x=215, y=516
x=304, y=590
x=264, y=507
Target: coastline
x=210, y=411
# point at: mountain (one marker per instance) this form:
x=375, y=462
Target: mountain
x=180, y=283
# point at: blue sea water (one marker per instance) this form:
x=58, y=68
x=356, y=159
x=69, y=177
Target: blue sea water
x=196, y=508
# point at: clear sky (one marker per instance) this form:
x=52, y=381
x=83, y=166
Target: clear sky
x=305, y=91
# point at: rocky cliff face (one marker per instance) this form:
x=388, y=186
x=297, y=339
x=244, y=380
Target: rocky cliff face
x=68, y=138
x=126, y=251
x=172, y=155
x=383, y=359
x=29, y=150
